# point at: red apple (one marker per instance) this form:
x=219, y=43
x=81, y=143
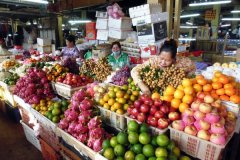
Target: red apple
x=191, y=130
x=141, y=117
x=218, y=139
x=164, y=109
x=203, y=134
x=188, y=112
x=135, y=112
x=212, y=117
x=222, y=111
x=208, y=99
x=144, y=108
x=148, y=101
x=205, y=108
x=162, y=123
x=137, y=104
x=159, y=114
x=204, y=125
x=153, y=122
x=174, y=116
x=188, y=120
x=195, y=105
x=217, y=128
x=198, y=115
x=153, y=110
x=171, y=109
x=178, y=124
x=200, y=95
x=149, y=118
x=157, y=102
x=129, y=110
x=143, y=97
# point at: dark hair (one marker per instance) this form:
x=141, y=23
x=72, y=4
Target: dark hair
x=170, y=46
x=71, y=38
x=116, y=43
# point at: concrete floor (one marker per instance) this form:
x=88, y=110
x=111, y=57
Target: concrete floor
x=13, y=143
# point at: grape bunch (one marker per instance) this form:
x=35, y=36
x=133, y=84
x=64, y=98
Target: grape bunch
x=71, y=64
x=121, y=76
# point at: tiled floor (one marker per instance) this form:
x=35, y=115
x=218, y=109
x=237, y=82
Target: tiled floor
x=13, y=144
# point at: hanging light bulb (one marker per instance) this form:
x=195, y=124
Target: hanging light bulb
x=34, y=21
x=28, y=23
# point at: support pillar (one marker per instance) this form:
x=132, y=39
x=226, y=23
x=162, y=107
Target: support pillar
x=178, y=8
x=215, y=21
x=170, y=17
x=60, y=32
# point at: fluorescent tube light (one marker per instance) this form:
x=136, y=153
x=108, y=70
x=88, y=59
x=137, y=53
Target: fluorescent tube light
x=187, y=39
x=230, y=19
x=208, y=3
x=189, y=23
x=188, y=26
x=78, y=21
x=63, y=25
x=235, y=11
x=74, y=29
x=37, y=1
x=190, y=15
x=226, y=25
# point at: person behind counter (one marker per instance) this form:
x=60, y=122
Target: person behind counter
x=166, y=57
x=117, y=59
x=71, y=51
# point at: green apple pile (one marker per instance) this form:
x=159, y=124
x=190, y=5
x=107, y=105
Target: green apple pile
x=138, y=144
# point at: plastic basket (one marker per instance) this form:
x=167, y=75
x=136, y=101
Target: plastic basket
x=65, y=90
x=232, y=107
x=154, y=130
x=77, y=145
x=29, y=133
x=195, y=146
x=113, y=119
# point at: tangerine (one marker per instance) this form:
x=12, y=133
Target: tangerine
x=167, y=98
x=202, y=81
x=187, y=99
x=230, y=92
x=188, y=90
x=182, y=107
x=178, y=94
x=207, y=87
x=197, y=87
x=186, y=82
x=224, y=97
x=220, y=91
x=228, y=86
x=235, y=99
x=169, y=90
x=217, y=85
x=223, y=79
x=175, y=103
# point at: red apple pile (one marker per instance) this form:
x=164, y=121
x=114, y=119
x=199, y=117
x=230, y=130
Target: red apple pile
x=154, y=112
x=207, y=119
x=74, y=80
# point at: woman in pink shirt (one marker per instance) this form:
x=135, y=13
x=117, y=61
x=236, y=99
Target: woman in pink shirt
x=71, y=51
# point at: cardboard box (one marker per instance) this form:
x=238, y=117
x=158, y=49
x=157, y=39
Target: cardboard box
x=118, y=34
x=122, y=23
x=153, y=18
x=153, y=1
x=100, y=53
x=43, y=42
x=150, y=33
x=145, y=9
x=151, y=49
x=100, y=14
x=44, y=49
x=102, y=35
x=238, y=55
x=91, y=32
x=102, y=23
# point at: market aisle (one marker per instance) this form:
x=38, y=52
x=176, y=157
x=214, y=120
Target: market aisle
x=13, y=144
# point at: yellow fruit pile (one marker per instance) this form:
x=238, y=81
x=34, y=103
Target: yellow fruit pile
x=118, y=99
x=182, y=97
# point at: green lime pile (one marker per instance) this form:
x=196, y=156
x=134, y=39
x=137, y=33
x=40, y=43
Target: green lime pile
x=139, y=144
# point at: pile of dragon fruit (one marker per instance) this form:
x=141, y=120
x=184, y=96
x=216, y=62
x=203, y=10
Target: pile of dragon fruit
x=80, y=121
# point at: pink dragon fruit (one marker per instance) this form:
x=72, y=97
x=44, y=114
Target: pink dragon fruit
x=84, y=117
x=72, y=116
x=63, y=124
x=71, y=127
x=96, y=133
x=90, y=142
x=94, y=123
x=80, y=128
x=83, y=138
x=97, y=145
x=86, y=104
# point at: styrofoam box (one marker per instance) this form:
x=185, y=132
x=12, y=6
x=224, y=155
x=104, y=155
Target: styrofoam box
x=102, y=35
x=102, y=23
x=145, y=9
x=44, y=41
x=30, y=136
x=151, y=49
x=195, y=146
x=44, y=49
x=100, y=14
x=152, y=32
x=118, y=34
x=123, y=23
x=153, y=18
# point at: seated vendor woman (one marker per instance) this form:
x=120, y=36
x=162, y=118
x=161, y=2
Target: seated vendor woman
x=71, y=51
x=166, y=57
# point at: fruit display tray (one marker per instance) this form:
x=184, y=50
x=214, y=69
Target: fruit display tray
x=66, y=90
